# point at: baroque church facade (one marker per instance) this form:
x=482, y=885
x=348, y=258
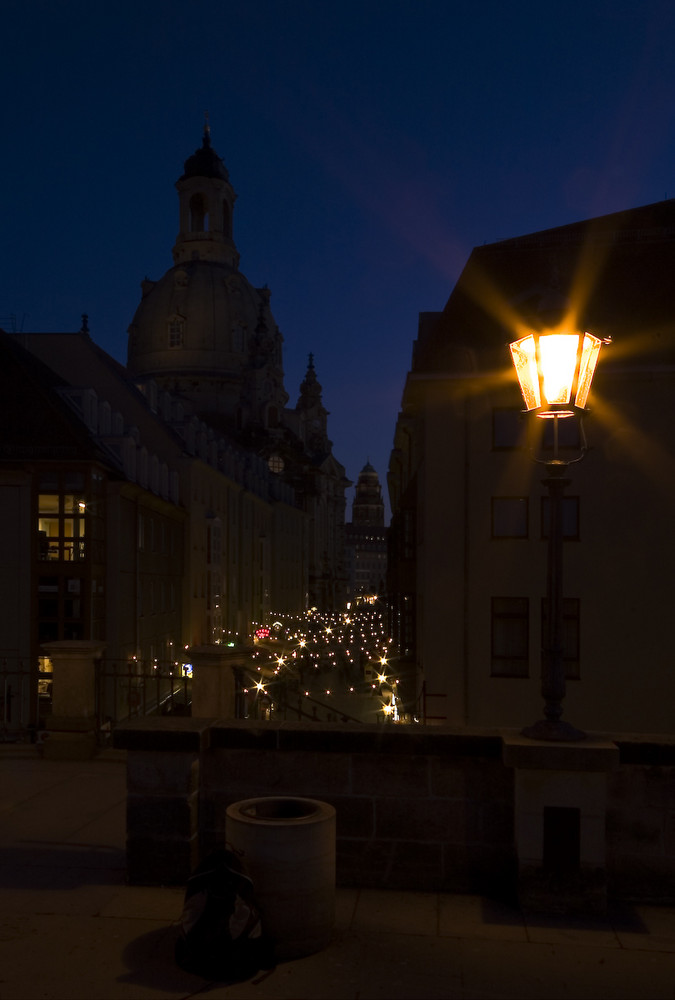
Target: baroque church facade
x=170, y=504
x=204, y=334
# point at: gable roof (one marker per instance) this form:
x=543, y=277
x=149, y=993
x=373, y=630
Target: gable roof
x=613, y=273
x=37, y=423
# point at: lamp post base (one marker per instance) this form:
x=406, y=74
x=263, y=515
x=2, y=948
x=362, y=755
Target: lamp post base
x=554, y=730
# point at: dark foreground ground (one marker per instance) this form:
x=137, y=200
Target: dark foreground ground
x=70, y=927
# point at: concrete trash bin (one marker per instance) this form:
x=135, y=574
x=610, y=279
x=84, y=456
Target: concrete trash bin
x=288, y=847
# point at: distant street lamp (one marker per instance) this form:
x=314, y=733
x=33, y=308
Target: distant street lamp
x=555, y=370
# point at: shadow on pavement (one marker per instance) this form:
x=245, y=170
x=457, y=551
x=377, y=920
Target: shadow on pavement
x=151, y=963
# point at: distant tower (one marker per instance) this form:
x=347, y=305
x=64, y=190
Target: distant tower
x=368, y=506
x=366, y=538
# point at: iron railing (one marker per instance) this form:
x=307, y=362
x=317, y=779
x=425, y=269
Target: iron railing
x=128, y=689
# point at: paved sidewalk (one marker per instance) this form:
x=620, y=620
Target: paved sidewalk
x=70, y=927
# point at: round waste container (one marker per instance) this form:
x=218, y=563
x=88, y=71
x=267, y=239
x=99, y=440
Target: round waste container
x=288, y=847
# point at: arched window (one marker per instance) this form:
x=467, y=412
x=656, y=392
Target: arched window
x=199, y=218
x=176, y=329
x=227, y=222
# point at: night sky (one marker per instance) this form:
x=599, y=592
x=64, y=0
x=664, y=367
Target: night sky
x=371, y=145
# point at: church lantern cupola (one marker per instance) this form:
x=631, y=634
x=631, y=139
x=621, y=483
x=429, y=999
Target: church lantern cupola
x=206, y=200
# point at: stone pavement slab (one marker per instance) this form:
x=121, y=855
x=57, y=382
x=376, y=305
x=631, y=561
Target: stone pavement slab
x=558, y=972
x=71, y=928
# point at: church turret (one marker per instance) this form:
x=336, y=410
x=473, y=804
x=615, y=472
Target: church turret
x=206, y=200
x=264, y=397
x=313, y=415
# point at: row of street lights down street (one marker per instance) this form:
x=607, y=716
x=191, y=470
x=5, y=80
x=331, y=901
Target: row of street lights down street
x=327, y=666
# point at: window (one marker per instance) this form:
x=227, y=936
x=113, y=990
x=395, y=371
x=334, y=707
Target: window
x=60, y=608
x=510, y=637
x=570, y=636
x=61, y=526
x=570, y=517
x=569, y=432
x=508, y=428
x=176, y=328
x=509, y=517
x=199, y=219
x=238, y=338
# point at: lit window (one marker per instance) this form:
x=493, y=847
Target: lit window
x=61, y=526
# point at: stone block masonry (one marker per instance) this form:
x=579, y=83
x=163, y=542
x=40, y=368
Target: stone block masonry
x=417, y=808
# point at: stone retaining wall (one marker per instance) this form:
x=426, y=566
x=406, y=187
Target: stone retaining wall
x=641, y=821
x=417, y=808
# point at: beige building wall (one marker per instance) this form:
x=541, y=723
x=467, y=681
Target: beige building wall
x=620, y=568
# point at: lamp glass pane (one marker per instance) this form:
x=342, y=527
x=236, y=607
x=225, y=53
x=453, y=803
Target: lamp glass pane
x=589, y=359
x=558, y=359
x=524, y=357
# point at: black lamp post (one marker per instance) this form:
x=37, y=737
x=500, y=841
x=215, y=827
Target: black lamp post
x=555, y=370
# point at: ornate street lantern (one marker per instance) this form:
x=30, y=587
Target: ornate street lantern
x=555, y=371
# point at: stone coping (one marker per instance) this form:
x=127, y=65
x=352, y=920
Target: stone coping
x=188, y=735
x=591, y=754
x=354, y=738
x=164, y=734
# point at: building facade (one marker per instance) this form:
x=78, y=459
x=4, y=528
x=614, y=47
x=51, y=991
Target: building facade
x=204, y=333
x=469, y=513
x=174, y=502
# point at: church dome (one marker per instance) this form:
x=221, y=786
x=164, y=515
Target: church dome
x=197, y=318
x=203, y=330
x=205, y=162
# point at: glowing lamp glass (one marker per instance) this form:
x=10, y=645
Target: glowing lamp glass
x=524, y=356
x=589, y=359
x=555, y=370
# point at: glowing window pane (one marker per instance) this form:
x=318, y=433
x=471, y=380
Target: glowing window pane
x=48, y=503
x=589, y=359
x=558, y=355
x=525, y=360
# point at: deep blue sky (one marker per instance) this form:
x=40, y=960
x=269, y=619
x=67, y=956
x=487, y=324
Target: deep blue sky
x=372, y=144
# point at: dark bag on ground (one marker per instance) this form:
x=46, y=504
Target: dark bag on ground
x=220, y=930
